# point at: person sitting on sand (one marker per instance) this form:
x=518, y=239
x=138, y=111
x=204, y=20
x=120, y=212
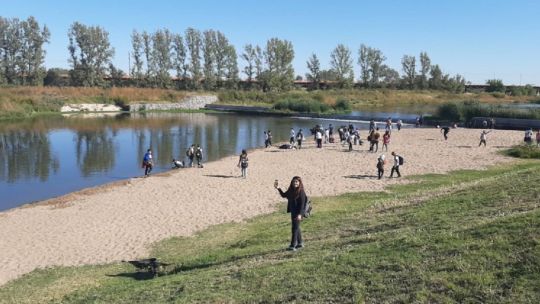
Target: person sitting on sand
x=177, y=164
x=296, y=203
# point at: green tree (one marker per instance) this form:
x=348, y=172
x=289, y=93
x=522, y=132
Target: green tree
x=209, y=55
x=390, y=77
x=408, y=63
x=231, y=67
x=376, y=60
x=249, y=55
x=342, y=65
x=148, y=55
x=279, y=72
x=137, y=55
x=495, y=85
x=363, y=61
x=161, y=55
x=314, y=75
x=180, y=61
x=425, y=65
x=90, y=54
x=436, y=79
x=194, y=46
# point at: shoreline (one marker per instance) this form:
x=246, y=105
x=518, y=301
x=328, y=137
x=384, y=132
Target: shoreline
x=121, y=220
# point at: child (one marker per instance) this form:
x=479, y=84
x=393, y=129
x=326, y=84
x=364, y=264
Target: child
x=380, y=166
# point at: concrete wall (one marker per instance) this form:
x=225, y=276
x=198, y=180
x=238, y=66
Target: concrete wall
x=189, y=103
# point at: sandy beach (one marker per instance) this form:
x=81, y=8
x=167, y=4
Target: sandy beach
x=121, y=221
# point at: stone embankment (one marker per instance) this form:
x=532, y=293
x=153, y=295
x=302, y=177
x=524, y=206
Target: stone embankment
x=188, y=103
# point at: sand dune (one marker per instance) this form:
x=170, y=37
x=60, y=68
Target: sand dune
x=122, y=220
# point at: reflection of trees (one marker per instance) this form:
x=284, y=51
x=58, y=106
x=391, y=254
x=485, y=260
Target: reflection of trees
x=26, y=154
x=95, y=151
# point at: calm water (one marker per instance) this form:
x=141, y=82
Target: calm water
x=48, y=157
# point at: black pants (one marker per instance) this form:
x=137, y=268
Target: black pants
x=147, y=169
x=299, y=144
x=445, y=134
x=319, y=143
x=380, y=172
x=396, y=169
x=296, y=238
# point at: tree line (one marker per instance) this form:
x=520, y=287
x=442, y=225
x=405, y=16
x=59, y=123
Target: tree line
x=200, y=60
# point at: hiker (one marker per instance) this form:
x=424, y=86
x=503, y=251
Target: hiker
x=199, y=156
x=291, y=140
x=243, y=163
x=300, y=138
x=386, y=140
x=483, y=137
x=177, y=164
x=445, y=131
x=190, y=153
x=395, y=168
x=381, y=161
x=147, y=162
x=296, y=203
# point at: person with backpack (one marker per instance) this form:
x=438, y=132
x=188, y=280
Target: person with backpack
x=243, y=163
x=381, y=161
x=300, y=138
x=147, y=162
x=296, y=204
x=199, y=156
x=398, y=160
x=190, y=153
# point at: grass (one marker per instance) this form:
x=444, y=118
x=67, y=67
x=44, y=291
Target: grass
x=466, y=237
x=524, y=151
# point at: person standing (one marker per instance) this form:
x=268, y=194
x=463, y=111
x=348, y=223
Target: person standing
x=445, y=131
x=291, y=140
x=199, y=156
x=375, y=140
x=243, y=163
x=538, y=138
x=265, y=139
x=399, y=123
x=318, y=137
x=190, y=153
x=386, y=140
x=483, y=137
x=148, y=162
x=300, y=138
x=381, y=161
x=528, y=136
x=296, y=203
x=269, y=138
x=395, y=167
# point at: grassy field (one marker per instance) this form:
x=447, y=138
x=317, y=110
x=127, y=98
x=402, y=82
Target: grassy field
x=20, y=102
x=466, y=237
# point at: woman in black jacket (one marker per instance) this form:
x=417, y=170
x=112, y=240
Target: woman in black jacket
x=296, y=203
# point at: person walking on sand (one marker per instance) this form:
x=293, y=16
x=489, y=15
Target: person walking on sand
x=375, y=140
x=381, y=161
x=269, y=133
x=386, y=140
x=528, y=136
x=147, y=162
x=445, y=131
x=483, y=137
x=243, y=163
x=318, y=138
x=291, y=140
x=395, y=167
x=199, y=156
x=296, y=203
x=399, y=123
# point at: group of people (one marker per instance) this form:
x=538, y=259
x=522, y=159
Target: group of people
x=381, y=162
x=528, y=139
x=192, y=153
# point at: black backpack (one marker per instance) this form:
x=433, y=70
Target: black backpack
x=401, y=160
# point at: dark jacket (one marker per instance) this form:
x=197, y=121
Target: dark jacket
x=295, y=205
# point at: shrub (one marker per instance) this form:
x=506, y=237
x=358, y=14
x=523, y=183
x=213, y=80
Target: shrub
x=524, y=151
x=449, y=111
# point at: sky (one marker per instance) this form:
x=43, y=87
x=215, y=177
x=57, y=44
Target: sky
x=478, y=39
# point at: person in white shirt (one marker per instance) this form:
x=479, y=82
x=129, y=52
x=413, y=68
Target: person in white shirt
x=291, y=140
x=395, y=168
x=483, y=137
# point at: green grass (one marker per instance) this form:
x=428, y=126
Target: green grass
x=524, y=151
x=465, y=237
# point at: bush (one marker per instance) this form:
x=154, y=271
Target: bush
x=449, y=111
x=524, y=151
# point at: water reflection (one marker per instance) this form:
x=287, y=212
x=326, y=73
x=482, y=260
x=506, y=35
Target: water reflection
x=45, y=157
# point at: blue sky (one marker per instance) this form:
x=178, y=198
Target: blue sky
x=479, y=39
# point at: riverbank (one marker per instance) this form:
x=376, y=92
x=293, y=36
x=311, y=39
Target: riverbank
x=122, y=221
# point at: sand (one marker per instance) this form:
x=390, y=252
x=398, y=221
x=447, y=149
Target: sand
x=121, y=221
